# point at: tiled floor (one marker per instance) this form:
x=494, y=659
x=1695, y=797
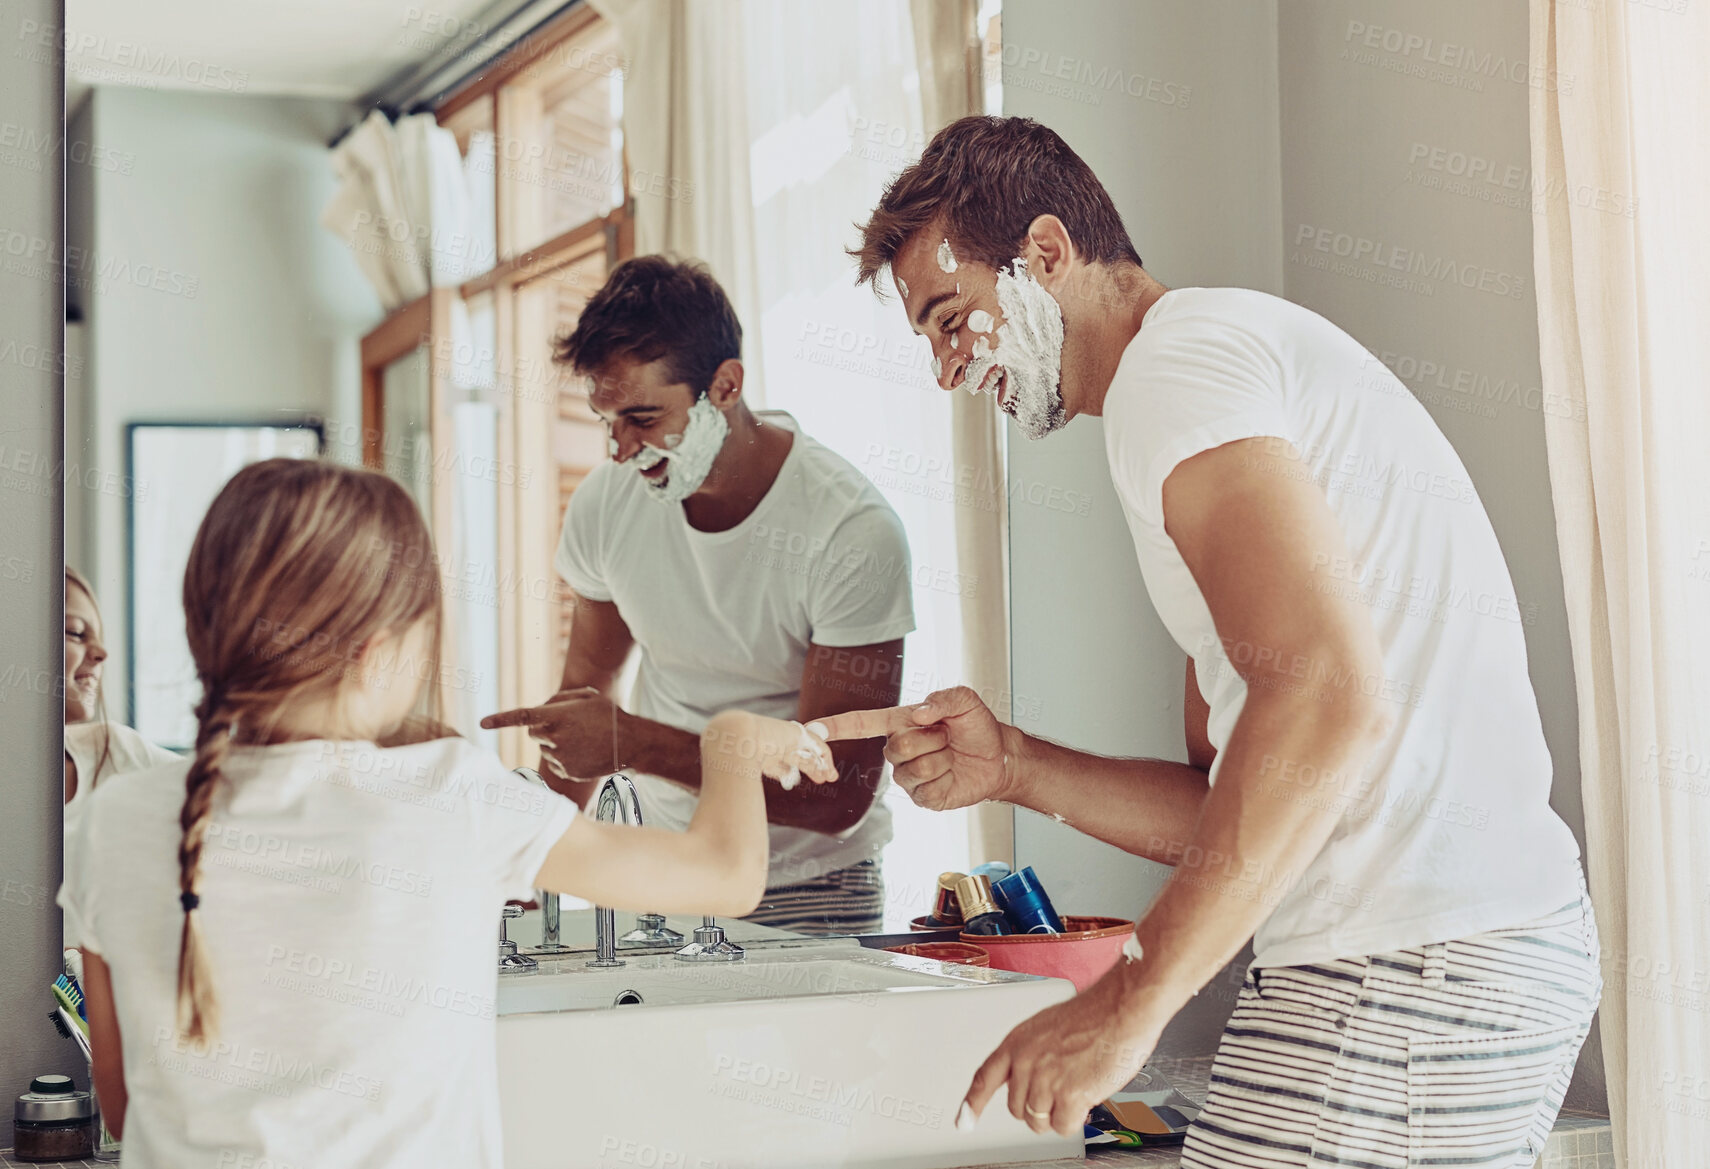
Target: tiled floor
x=1579, y=1142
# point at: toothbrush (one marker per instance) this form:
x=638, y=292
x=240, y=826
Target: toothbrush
x=70, y=996
x=68, y=1026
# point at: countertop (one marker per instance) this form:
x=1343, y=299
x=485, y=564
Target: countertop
x=1191, y=1076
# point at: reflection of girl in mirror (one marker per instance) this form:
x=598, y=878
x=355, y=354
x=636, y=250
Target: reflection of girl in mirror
x=94, y=747
x=293, y=932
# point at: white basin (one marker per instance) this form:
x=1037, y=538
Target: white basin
x=823, y=1055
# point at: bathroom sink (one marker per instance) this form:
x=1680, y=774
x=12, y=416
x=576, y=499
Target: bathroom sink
x=826, y=1054
x=576, y=930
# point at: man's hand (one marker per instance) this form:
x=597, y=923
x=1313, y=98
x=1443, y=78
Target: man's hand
x=1067, y=1058
x=949, y=751
x=573, y=728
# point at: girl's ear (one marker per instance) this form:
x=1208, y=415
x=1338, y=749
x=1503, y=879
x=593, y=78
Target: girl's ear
x=374, y=659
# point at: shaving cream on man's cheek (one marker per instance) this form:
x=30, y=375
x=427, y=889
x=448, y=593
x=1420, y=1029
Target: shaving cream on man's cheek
x=1029, y=350
x=690, y=455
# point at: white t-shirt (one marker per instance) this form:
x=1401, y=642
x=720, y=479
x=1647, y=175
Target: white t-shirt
x=724, y=619
x=350, y=901
x=127, y=751
x=1452, y=833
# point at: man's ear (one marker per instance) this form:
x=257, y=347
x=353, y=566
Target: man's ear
x=1048, y=249
x=726, y=384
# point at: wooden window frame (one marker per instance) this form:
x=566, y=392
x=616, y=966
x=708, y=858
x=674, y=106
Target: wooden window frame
x=527, y=632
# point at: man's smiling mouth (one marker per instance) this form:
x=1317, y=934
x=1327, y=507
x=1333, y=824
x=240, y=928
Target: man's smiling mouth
x=1005, y=395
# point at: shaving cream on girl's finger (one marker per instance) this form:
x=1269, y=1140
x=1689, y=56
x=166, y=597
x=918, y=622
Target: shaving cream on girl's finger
x=811, y=748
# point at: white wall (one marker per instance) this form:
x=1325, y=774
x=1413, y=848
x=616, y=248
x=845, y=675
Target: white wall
x=1371, y=141
x=1192, y=164
x=1293, y=126
x=31, y=709
x=209, y=289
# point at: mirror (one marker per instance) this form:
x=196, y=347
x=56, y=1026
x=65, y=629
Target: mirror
x=274, y=261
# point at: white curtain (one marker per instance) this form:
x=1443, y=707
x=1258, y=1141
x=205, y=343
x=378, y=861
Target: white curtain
x=407, y=207
x=1620, y=121
x=685, y=115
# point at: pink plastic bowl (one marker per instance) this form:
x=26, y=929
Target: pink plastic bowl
x=961, y=953
x=1087, y=947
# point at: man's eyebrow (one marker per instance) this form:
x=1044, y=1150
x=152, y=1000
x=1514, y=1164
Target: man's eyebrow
x=931, y=303
x=628, y=411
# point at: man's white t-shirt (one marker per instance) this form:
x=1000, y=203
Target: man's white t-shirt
x=1449, y=831
x=724, y=619
x=350, y=901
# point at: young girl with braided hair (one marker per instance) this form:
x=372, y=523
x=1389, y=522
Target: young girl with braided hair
x=289, y=939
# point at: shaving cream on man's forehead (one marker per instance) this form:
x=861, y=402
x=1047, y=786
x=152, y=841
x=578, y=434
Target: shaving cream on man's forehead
x=947, y=258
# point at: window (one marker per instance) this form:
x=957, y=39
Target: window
x=462, y=400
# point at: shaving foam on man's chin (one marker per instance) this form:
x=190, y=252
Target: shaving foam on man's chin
x=978, y=367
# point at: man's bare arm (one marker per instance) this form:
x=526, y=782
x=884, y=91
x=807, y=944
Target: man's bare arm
x=834, y=679
x=1250, y=528
x=585, y=738
x=950, y=751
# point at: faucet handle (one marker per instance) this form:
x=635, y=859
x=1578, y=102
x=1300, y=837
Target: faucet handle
x=509, y=959
x=710, y=945
x=650, y=929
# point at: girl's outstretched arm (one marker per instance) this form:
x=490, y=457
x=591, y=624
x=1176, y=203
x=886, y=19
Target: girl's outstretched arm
x=718, y=866
x=104, y=1046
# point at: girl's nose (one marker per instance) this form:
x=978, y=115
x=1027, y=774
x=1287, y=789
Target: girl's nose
x=93, y=651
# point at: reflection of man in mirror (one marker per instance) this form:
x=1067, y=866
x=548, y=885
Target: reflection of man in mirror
x=751, y=568
x=1367, y=781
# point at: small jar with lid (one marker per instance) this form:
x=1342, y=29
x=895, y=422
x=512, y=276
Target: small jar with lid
x=54, y=1121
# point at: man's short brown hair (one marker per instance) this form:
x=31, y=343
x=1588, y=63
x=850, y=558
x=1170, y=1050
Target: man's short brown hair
x=652, y=307
x=987, y=179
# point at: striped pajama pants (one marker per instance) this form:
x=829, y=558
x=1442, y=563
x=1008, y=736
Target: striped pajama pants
x=844, y=901
x=1456, y=1053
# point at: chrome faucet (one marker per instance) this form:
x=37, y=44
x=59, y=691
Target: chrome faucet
x=551, y=910
x=609, y=804
x=509, y=959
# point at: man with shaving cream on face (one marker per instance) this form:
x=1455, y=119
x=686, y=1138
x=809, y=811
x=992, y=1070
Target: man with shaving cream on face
x=749, y=566
x=1367, y=785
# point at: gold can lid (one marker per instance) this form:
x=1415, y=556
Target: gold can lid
x=945, y=907
x=975, y=895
